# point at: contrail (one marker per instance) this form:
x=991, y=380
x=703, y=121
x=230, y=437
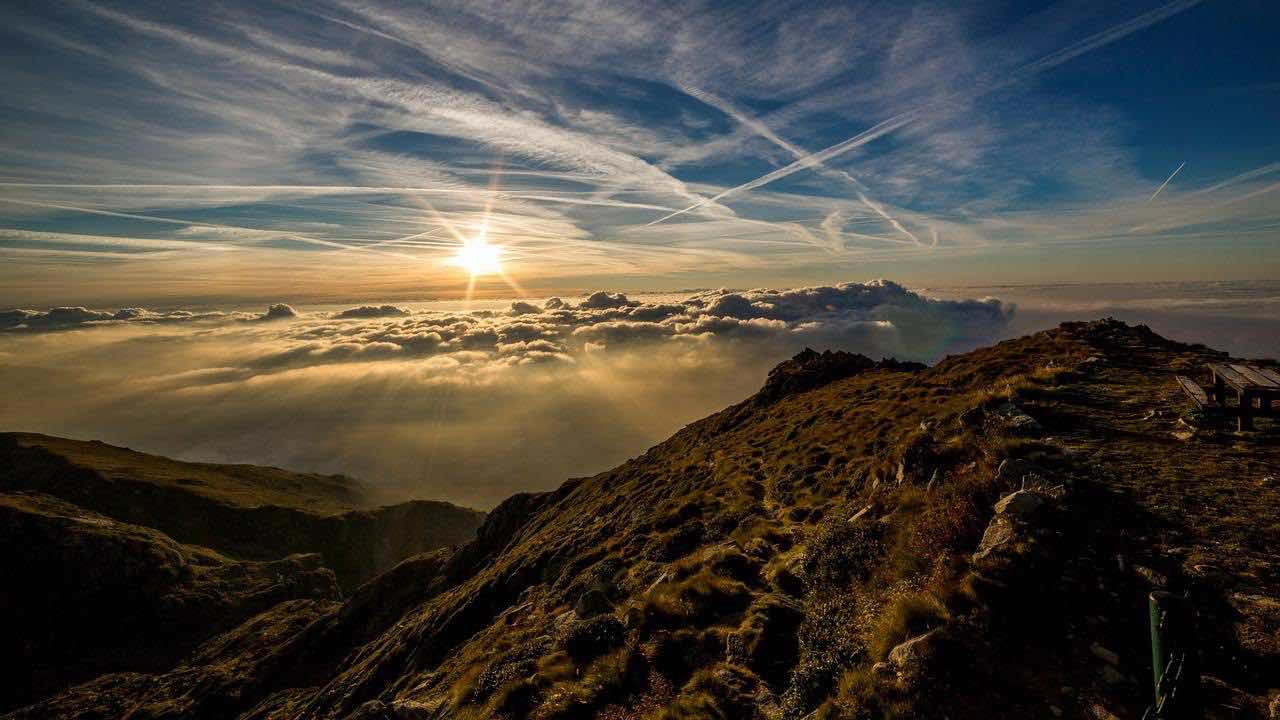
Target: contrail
x=798, y=153
x=1166, y=182
x=883, y=128
x=1054, y=59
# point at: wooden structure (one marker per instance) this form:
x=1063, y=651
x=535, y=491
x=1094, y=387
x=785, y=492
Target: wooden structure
x=1196, y=393
x=1255, y=389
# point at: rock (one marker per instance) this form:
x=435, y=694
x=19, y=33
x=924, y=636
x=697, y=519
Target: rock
x=1098, y=712
x=1022, y=505
x=860, y=514
x=1013, y=471
x=810, y=369
x=1183, y=435
x=1017, y=515
x=592, y=602
x=1152, y=578
x=970, y=418
x=907, y=657
x=1055, y=710
x=1110, y=675
x=1107, y=656
x=1017, y=421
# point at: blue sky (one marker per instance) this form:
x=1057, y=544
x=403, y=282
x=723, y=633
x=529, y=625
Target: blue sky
x=200, y=152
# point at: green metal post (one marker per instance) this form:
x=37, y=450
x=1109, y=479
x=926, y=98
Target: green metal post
x=1158, y=601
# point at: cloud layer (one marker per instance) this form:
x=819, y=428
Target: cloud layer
x=466, y=406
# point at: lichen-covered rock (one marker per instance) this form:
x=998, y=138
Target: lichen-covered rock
x=1016, y=421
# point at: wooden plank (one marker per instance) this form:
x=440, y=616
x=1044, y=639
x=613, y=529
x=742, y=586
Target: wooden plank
x=1194, y=391
x=1229, y=375
x=1275, y=376
x=1258, y=378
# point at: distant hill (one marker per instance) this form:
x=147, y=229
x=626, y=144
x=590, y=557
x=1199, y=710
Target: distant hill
x=245, y=511
x=84, y=594
x=861, y=539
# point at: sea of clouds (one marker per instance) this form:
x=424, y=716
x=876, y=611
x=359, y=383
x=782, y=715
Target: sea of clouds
x=426, y=402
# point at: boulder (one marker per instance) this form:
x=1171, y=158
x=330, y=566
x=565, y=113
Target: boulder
x=1022, y=505
x=1016, y=521
x=594, y=601
x=1016, y=421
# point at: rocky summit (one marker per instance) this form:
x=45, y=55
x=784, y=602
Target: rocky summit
x=862, y=539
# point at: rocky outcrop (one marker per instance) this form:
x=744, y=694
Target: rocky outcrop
x=1016, y=525
x=810, y=369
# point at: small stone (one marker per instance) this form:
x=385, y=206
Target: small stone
x=970, y=418
x=1013, y=470
x=1097, y=712
x=1111, y=676
x=1153, y=578
x=906, y=655
x=1057, y=711
x=1105, y=655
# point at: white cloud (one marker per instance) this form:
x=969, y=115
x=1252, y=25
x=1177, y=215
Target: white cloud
x=442, y=404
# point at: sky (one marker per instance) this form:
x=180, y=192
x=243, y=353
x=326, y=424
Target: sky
x=224, y=153
x=462, y=250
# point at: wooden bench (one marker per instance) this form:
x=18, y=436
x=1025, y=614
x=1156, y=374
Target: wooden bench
x=1196, y=393
x=1251, y=385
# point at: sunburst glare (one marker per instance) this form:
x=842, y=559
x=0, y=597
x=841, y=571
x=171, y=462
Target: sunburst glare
x=479, y=257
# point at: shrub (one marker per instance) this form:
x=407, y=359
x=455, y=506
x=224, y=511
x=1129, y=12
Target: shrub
x=839, y=552
x=696, y=600
x=908, y=616
x=587, y=639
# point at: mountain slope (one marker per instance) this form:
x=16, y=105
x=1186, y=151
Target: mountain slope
x=85, y=594
x=245, y=511
x=860, y=540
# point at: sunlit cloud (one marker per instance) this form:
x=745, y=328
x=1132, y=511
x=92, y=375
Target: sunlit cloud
x=598, y=377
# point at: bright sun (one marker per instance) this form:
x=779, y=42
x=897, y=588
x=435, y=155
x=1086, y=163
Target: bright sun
x=478, y=257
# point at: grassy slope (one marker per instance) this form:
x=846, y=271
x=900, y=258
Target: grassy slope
x=241, y=485
x=762, y=561
x=245, y=511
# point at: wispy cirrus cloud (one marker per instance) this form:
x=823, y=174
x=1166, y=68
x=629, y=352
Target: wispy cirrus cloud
x=591, y=140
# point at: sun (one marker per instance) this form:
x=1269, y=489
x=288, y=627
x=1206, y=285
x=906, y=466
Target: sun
x=478, y=257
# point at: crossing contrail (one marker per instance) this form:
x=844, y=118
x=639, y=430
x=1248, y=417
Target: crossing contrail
x=1166, y=182
x=1054, y=59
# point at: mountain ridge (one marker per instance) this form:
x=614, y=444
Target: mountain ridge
x=247, y=511
x=974, y=539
